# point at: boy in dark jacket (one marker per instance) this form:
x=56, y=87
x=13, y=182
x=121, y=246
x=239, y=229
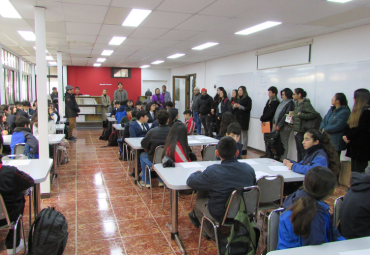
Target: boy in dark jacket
x=205, y=110
x=19, y=112
x=217, y=182
x=12, y=183
x=23, y=134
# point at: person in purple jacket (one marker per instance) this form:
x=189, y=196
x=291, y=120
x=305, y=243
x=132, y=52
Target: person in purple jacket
x=158, y=98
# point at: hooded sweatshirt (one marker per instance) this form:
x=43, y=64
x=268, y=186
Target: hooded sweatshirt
x=355, y=210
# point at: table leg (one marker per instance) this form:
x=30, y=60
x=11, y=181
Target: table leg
x=55, y=162
x=137, y=170
x=174, y=219
x=36, y=199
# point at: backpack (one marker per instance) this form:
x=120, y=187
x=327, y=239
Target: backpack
x=148, y=93
x=113, y=139
x=62, y=155
x=106, y=133
x=273, y=143
x=244, y=234
x=311, y=124
x=48, y=233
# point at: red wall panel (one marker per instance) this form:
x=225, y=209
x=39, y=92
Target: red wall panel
x=88, y=79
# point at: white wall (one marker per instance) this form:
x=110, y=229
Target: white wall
x=150, y=78
x=350, y=45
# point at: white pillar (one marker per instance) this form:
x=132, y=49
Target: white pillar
x=33, y=82
x=20, y=70
x=60, y=84
x=42, y=101
x=2, y=90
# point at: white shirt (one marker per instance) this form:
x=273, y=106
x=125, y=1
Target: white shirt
x=141, y=125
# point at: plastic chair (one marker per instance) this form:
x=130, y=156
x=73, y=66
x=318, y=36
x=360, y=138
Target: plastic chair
x=251, y=197
x=19, y=148
x=11, y=225
x=271, y=196
x=157, y=159
x=273, y=229
x=337, y=206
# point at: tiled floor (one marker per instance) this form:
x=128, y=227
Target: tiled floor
x=108, y=214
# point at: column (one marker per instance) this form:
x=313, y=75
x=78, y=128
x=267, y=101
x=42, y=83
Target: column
x=2, y=90
x=60, y=84
x=42, y=102
x=20, y=70
x=33, y=82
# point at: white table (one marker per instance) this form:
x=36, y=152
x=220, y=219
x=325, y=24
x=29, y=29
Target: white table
x=199, y=140
x=332, y=248
x=59, y=127
x=110, y=119
x=38, y=169
x=118, y=127
x=175, y=179
x=107, y=114
x=63, y=120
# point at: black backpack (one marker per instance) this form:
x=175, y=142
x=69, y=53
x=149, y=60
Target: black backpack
x=106, y=133
x=273, y=142
x=113, y=139
x=148, y=93
x=48, y=234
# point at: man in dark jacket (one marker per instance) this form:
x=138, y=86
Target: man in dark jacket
x=205, y=109
x=355, y=210
x=72, y=111
x=12, y=183
x=154, y=138
x=268, y=115
x=23, y=134
x=195, y=108
x=217, y=182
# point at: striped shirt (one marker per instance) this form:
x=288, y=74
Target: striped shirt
x=179, y=154
x=190, y=125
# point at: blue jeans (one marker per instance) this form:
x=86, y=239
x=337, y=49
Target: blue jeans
x=144, y=161
x=198, y=123
x=120, y=145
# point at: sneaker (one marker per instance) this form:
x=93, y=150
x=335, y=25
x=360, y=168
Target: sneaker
x=120, y=158
x=244, y=152
x=193, y=219
x=145, y=185
x=160, y=184
x=18, y=249
x=72, y=139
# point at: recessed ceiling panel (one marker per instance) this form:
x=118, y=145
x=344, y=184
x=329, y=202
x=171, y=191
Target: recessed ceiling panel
x=158, y=19
x=201, y=22
x=148, y=33
x=116, y=15
x=84, y=13
x=188, y=6
x=137, y=4
x=82, y=28
x=116, y=30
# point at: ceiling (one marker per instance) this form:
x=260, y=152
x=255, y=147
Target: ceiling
x=82, y=29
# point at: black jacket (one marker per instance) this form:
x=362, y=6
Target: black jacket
x=243, y=115
x=220, y=180
x=10, y=118
x=355, y=210
x=20, y=112
x=269, y=111
x=205, y=105
x=151, y=119
x=12, y=183
x=281, y=119
x=155, y=137
x=72, y=109
x=126, y=131
x=224, y=108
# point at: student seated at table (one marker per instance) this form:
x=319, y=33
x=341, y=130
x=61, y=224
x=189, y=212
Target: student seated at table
x=4, y=126
x=176, y=146
x=355, y=210
x=150, y=108
x=307, y=219
x=12, y=183
x=217, y=182
x=226, y=119
x=234, y=130
x=138, y=106
x=23, y=134
x=34, y=124
x=174, y=116
x=117, y=105
x=189, y=122
x=140, y=127
x=19, y=110
x=27, y=108
x=126, y=134
x=319, y=152
x=168, y=105
x=128, y=116
x=155, y=137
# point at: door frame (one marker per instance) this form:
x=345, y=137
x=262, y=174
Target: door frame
x=187, y=87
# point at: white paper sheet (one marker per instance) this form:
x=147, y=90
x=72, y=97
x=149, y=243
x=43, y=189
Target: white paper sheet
x=17, y=162
x=248, y=161
x=358, y=252
x=279, y=168
x=190, y=165
x=260, y=174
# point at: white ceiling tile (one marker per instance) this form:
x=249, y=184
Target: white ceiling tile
x=148, y=33
x=188, y=6
x=178, y=35
x=137, y=4
x=102, y=46
x=163, y=43
x=90, y=2
x=116, y=15
x=84, y=13
x=357, y=23
x=124, y=47
x=136, y=42
x=159, y=19
x=115, y=30
x=82, y=38
x=231, y=8
x=82, y=28
x=80, y=51
x=201, y=22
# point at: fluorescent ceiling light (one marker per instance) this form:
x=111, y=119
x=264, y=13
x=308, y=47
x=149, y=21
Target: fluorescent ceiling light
x=49, y=58
x=157, y=62
x=97, y=64
x=135, y=17
x=53, y=63
x=177, y=55
x=27, y=35
x=258, y=27
x=145, y=66
x=107, y=52
x=101, y=60
x=339, y=1
x=205, y=45
x=117, y=40
x=7, y=10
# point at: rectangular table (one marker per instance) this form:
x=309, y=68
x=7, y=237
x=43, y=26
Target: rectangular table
x=110, y=119
x=175, y=179
x=107, y=114
x=63, y=120
x=59, y=127
x=332, y=248
x=38, y=169
x=118, y=127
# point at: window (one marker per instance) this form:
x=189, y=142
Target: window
x=118, y=72
x=26, y=82
x=11, y=77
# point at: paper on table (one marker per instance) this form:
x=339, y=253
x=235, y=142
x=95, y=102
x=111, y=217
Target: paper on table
x=17, y=162
x=190, y=165
x=248, y=161
x=358, y=252
x=260, y=174
x=279, y=168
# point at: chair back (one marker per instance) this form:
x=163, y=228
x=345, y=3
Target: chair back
x=157, y=159
x=4, y=212
x=232, y=204
x=19, y=148
x=337, y=206
x=273, y=229
x=272, y=188
x=209, y=152
x=251, y=196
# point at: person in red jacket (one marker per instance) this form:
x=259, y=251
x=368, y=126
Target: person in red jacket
x=176, y=146
x=189, y=122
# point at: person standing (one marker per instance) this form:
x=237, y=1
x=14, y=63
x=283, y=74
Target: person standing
x=71, y=111
x=105, y=100
x=77, y=92
x=205, y=108
x=268, y=115
x=158, y=98
x=279, y=123
x=166, y=95
x=357, y=135
x=222, y=107
x=195, y=108
x=120, y=94
x=336, y=121
x=303, y=111
x=242, y=111
x=54, y=94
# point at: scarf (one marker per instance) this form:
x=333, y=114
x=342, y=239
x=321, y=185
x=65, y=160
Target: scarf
x=280, y=108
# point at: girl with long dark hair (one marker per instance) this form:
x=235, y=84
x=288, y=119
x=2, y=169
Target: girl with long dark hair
x=307, y=220
x=357, y=135
x=4, y=127
x=319, y=152
x=151, y=109
x=234, y=97
x=174, y=115
x=176, y=146
x=221, y=107
x=227, y=119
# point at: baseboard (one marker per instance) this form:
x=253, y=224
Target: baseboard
x=45, y=195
